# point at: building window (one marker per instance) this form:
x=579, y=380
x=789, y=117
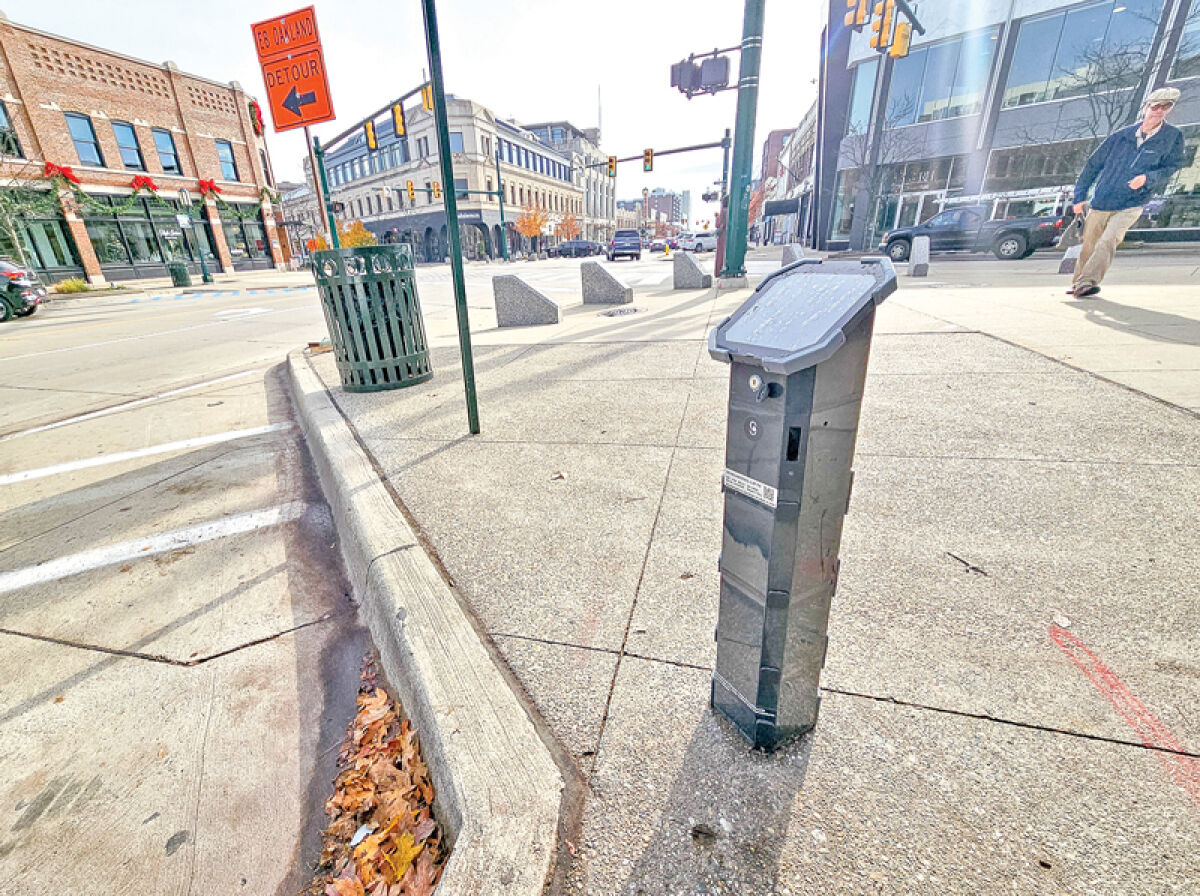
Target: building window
x=456, y=141
x=1082, y=51
x=9, y=144
x=460, y=188
x=228, y=165
x=859, y=118
x=489, y=189
x=422, y=147
x=83, y=135
x=167, y=157
x=429, y=192
x=262, y=156
x=487, y=146
x=941, y=81
x=1187, y=58
x=127, y=143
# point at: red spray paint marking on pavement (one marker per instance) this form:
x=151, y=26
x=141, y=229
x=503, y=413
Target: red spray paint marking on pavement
x=1153, y=733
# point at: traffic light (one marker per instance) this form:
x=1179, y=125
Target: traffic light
x=857, y=15
x=427, y=97
x=882, y=29
x=612, y=166
x=901, y=40
x=437, y=190
x=398, y=119
x=647, y=160
x=369, y=130
x=412, y=191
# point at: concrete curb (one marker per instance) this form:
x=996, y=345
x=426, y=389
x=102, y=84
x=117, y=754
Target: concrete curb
x=499, y=791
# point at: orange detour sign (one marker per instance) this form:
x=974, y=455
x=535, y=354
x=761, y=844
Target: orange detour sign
x=293, y=67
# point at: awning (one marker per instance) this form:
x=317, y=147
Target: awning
x=781, y=207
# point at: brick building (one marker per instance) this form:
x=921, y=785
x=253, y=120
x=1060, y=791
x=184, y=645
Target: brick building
x=81, y=132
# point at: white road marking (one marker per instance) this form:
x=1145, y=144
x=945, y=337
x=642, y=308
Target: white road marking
x=129, y=404
x=62, y=567
x=74, y=348
x=119, y=457
x=238, y=313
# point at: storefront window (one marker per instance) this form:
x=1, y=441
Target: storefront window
x=256, y=239
x=1187, y=58
x=140, y=238
x=51, y=244
x=107, y=241
x=236, y=240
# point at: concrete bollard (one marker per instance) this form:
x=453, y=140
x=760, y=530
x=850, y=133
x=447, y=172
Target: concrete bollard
x=688, y=274
x=1069, y=260
x=918, y=258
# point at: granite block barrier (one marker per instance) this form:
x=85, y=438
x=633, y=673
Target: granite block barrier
x=602, y=288
x=688, y=274
x=520, y=305
x=792, y=253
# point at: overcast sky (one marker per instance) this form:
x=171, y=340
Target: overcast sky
x=533, y=60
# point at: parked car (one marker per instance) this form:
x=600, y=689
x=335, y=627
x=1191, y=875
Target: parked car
x=673, y=242
x=967, y=229
x=22, y=291
x=705, y=241
x=625, y=242
x=575, y=249
x=658, y=245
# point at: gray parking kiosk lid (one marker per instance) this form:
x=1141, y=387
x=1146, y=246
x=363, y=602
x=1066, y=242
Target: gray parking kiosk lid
x=797, y=316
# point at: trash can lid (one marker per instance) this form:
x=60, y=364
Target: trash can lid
x=797, y=316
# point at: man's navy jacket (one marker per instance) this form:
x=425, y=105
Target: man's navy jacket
x=1119, y=160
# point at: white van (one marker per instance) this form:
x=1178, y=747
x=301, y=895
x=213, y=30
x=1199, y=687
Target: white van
x=699, y=242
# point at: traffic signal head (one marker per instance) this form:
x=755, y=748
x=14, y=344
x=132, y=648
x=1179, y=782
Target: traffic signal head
x=412, y=191
x=398, y=119
x=369, y=130
x=647, y=160
x=883, y=27
x=437, y=190
x=856, y=16
x=612, y=166
x=427, y=97
x=903, y=36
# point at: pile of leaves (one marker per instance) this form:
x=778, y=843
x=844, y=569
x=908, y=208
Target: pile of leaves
x=382, y=839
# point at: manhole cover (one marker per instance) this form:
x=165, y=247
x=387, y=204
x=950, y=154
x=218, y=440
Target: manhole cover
x=619, y=312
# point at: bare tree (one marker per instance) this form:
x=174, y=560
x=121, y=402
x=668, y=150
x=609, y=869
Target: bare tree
x=874, y=160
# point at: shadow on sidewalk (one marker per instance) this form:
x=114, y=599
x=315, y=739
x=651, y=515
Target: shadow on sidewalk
x=724, y=821
x=1136, y=320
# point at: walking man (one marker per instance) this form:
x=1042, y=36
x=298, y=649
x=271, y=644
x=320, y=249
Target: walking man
x=1127, y=169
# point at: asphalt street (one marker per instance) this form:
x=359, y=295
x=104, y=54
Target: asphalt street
x=179, y=650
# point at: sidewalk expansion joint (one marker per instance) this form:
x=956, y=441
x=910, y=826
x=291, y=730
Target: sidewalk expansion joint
x=611, y=651
x=166, y=660
x=1073, y=461
x=1031, y=726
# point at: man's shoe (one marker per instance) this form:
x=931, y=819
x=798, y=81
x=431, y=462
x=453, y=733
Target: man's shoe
x=1083, y=292
x=1071, y=291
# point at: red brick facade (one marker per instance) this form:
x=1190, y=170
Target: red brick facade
x=43, y=77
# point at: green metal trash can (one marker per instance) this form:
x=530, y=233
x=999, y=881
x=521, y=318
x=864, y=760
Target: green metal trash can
x=369, y=296
x=179, y=273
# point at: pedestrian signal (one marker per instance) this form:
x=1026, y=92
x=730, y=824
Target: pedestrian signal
x=398, y=119
x=369, y=130
x=427, y=97
x=647, y=160
x=412, y=191
x=437, y=190
x=612, y=166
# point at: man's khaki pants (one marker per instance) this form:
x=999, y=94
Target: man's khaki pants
x=1102, y=233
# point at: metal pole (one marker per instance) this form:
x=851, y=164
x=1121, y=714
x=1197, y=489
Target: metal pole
x=334, y=242
x=433, y=47
x=312, y=161
x=500, y=191
x=743, y=140
x=723, y=206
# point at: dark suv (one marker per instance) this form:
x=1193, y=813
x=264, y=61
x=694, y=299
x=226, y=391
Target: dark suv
x=575, y=249
x=968, y=229
x=20, y=291
x=625, y=242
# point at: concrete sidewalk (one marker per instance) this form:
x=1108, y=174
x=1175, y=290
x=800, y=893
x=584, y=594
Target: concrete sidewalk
x=1012, y=675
